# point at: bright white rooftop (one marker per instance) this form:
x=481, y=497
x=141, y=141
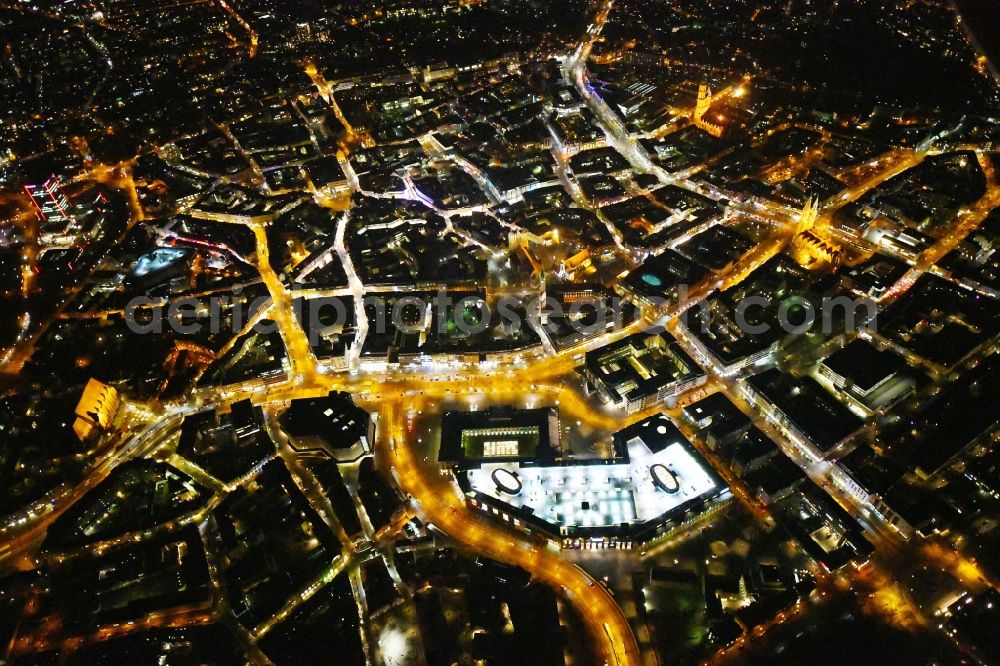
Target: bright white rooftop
x=619, y=493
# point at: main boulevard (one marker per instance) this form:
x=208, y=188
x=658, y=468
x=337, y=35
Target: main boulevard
x=394, y=395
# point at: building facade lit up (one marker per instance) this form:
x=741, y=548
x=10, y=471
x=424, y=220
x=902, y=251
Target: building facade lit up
x=654, y=483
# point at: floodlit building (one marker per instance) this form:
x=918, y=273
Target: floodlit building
x=49, y=200
x=655, y=483
x=642, y=371
x=701, y=109
x=499, y=434
x=96, y=410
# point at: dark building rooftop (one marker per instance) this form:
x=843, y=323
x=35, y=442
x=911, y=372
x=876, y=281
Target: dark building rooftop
x=334, y=424
x=466, y=436
x=808, y=407
x=864, y=365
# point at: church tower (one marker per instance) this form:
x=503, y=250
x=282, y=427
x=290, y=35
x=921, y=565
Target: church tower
x=704, y=102
x=701, y=110
x=809, y=215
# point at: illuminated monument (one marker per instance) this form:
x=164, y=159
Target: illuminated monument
x=811, y=247
x=701, y=109
x=96, y=410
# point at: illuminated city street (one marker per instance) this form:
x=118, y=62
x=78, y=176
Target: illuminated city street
x=446, y=332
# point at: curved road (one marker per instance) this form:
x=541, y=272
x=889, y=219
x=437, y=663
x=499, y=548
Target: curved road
x=439, y=504
x=28, y=527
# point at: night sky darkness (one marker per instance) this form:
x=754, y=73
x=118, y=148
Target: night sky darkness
x=983, y=17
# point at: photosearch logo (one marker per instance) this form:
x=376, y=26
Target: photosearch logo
x=469, y=315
